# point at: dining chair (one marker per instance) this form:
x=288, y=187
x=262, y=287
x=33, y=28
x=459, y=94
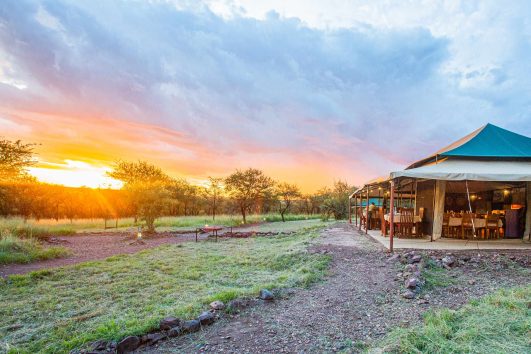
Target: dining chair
x=467, y=227
x=446, y=225
x=492, y=225
x=407, y=222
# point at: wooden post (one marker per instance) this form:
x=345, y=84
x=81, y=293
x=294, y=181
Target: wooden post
x=355, y=210
x=367, y=211
x=392, y=216
x=350, y=209
x=361, y=216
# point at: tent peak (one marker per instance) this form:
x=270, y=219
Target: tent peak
x=489, y=141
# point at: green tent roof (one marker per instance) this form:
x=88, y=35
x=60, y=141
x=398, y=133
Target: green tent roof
x=488, y=141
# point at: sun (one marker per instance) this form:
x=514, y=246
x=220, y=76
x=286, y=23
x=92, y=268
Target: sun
x=74, y=173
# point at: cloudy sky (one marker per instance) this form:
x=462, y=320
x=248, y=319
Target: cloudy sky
x=309, y=91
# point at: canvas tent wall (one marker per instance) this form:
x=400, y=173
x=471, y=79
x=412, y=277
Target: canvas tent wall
x=489, y=154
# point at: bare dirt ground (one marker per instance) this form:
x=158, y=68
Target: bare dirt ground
x=355, y=305
x=93, y=246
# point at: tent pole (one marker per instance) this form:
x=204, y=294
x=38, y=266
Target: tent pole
x=391, y=217
x=350, y=209
x=361, y=216
x=355, y=210
x=367, y=211
x=470, y=209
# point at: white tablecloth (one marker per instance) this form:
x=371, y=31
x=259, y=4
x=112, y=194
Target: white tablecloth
x=397, y=219
x=478, y=223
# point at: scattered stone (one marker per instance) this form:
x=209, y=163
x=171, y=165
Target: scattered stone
x=266, y=295
x=175, y=332
x=152, y=338
x=408, y=294
x=99, y=345
x=169, y=322
x=415, y=259
x=448, y=260
x=217, y=305
x=236, y=305
x=191, y=326
x=411, y=283
x=393, y=258
x=411, y=268
x=206, y=318
x=128, y=344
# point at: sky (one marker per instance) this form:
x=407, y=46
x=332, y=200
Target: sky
x=308, y=91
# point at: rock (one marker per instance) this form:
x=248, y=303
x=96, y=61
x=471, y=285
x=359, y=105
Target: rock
x=266, y=295
x=393, y=258
x=191, y=326
x=411, y=268
x=448, y=260
x=236, y=305
x=175, y=332
x=471, y=282
x=411, y=283
x=169, y=322
x=99, y=345
x=415, y=259
x=152, y=338
x=408, y=294
x=217, y=305
x=206, y=318
x=128, y=344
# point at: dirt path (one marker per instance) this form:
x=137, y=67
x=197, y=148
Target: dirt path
x=359, y=302
x=88, y=247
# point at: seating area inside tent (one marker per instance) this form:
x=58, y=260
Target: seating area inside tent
x=477, y=188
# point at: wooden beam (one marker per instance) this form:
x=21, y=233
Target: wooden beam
x=391, y=216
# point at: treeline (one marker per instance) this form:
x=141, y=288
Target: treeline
x=149, y=193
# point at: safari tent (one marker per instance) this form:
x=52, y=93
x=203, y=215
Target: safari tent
x=477, y=187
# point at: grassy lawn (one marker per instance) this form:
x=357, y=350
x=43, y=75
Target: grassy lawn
x=499, y=323
x=16, y=250
x=57, y=310
x=34, y=228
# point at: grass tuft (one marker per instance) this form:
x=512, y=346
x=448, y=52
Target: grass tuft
x=498, y=323
x=16, y=250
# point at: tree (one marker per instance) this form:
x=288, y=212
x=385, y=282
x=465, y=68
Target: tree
x=335, y=201
x=148, y=188
x=213, y=193
x=15, y=157
x=247, y=188
x=286, y=194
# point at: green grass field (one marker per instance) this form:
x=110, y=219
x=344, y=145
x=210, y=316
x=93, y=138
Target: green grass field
x=54, y=311
x=16, y=250
x=42, y=228
x=499, y=323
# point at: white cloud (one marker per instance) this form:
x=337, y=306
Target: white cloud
x=375, y=83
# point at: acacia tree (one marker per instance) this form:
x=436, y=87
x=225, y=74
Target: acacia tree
x=148, y=188
x=247, y=187
x=15, y=157
x=213, y=193
x=335, y=201
x=286, y=194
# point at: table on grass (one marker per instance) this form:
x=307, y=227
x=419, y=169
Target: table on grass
x=213, y=229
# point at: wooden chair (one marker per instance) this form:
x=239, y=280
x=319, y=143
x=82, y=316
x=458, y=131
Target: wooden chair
x=492, y=225
x=467, y=227
x=363, y=218
x=446, y=225
x=407, y=222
